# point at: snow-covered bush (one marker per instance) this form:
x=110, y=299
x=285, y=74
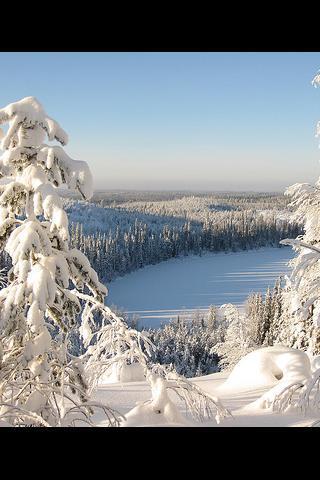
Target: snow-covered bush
x=41, y=383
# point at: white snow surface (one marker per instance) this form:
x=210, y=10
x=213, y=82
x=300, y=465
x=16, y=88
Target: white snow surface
x=277, y=367
x=242, y=391
x=158, y=293
x=119, y=372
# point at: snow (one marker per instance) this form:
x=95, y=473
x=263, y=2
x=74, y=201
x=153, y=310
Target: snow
x=76, y=173
x=25, y=114
x=119, y=372
x=158, y=293
x=157, y=411
x=269, y=366
x=133, y=399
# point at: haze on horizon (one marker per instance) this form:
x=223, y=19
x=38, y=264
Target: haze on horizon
x=179, y=121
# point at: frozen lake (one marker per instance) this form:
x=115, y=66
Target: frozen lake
x=158, y=293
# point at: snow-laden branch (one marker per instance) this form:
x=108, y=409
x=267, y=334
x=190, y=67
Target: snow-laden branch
x=299, y=243
x=201, y=405
x=25, y=115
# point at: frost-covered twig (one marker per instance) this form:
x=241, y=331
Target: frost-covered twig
x=114, y=342
x=308, y=395
x=21, y=416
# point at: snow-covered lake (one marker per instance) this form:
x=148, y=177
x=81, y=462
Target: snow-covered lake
x=158, y=293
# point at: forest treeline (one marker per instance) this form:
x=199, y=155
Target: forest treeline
x=204, y=343
x=120, y=239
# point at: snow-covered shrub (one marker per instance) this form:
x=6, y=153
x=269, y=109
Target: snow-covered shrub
x=115, y=346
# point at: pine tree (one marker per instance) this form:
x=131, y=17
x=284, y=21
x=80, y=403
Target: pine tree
x=40, y=382
x=277, y=305
x=300, y=323
x=266, y=319
x=211, y=317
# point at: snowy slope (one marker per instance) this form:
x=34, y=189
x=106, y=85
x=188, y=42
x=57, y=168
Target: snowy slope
x=249, y=381
x=126, y=395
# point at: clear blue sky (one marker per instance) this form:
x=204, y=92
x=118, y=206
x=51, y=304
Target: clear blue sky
x=216, y=121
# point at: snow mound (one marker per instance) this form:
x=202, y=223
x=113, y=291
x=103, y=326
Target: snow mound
x=315, y=362
x=132, y=373
x=122, y=373
x=159, y=411
x=276, y=366
x=145, y=415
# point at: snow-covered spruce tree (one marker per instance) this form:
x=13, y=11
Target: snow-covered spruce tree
x=40, y=382
x=239, y=337
x=300, y=318
x=276, y=313
x=186, y=344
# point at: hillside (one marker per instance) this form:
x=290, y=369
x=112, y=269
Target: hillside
x=240, y=391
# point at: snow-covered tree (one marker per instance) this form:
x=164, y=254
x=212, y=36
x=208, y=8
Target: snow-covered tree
x=50, y=284
x=120, y=238
x=237, y=340
x=41, y=383
x=186, y=344
x=300, y=318
x=276, y=310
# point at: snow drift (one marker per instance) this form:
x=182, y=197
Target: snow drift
x=277, y=367
x=119, y=372
x=267, y=366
